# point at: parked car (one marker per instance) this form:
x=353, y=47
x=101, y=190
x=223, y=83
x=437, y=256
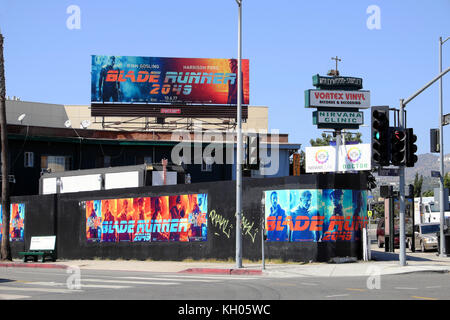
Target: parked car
x=381, y=235
x=425, y=236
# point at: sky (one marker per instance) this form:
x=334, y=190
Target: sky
x=286, y=42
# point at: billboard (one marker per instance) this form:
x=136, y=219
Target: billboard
x=16, y=222
x=146, y=219
x=126, y=79
x=313, y=215
x=351, y=157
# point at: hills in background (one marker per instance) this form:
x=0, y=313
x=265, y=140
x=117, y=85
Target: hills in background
x=425, y=164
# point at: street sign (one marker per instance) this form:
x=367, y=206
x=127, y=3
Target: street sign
x=388, y=172
x=369, y=213
x=296, y=164
x=346, y=83
x=435, y=174
x=446, y=119
x=338, y=118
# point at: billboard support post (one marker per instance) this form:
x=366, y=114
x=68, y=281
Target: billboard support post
x=239, y=146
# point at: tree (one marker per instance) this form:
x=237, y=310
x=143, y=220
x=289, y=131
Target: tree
x=447, y=180
x=324, y=141
x=428, y=193
x=418, y=185
x=5, y=250
x=327, y=138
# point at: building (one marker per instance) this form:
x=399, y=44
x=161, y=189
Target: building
x=52, y=137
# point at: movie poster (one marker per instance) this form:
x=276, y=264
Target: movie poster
x=178, y=218
x=16, y=223
x=126, y=79
x=313, y=215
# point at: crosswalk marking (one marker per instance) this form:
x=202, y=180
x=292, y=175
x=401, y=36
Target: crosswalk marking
x=56, y=284
x=49, y=290
x=130, y=282
x=336, y=295
x=170, y=279
x=224, y=277
x=12, y=297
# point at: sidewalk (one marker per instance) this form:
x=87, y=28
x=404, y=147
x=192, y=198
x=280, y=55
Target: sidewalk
x=382, y=263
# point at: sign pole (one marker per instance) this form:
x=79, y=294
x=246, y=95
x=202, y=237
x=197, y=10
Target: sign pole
x=338, y=145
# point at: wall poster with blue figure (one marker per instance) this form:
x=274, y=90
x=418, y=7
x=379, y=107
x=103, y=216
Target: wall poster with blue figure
x=313, y=215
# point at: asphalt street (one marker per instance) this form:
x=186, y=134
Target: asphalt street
x=54, y=284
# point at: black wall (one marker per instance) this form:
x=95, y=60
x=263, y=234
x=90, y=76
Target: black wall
x=64, y=215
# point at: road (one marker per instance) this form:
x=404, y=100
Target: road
x=58, y=284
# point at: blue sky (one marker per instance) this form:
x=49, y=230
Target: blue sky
x=287, y=42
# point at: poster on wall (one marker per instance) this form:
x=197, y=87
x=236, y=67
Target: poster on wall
x=16, y=224
x=179, y=218
x=126, y=79
x=313, y=215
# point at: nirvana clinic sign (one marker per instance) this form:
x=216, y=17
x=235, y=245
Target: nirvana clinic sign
x=338, y=117
x=337, y=98
x=354, y=157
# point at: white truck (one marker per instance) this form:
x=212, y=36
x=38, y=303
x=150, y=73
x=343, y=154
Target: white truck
x=428, y=212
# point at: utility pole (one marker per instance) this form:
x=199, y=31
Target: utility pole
x=402, y=194
x=239, y=146
x=441, y=161
x=5, y=252
x=403, y=103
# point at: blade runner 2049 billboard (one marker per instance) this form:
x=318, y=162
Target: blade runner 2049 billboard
x=166, y=80
x=315, y=215
x=163, y=218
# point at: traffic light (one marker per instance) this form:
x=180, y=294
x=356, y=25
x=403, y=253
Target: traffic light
x=398, y=147
x=434, y=140
x=252, y=156
x=411, y=148
x=380, y=136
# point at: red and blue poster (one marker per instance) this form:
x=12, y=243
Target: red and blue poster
x=16, y=222
x=315, y=215
x=177, y=218
x=125, y=79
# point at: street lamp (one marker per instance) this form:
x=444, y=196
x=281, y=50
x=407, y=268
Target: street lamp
x=239, y=146
x=441, y=151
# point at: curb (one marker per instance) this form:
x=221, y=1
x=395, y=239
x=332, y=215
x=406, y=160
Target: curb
x=222, y=271
x=33, y=265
